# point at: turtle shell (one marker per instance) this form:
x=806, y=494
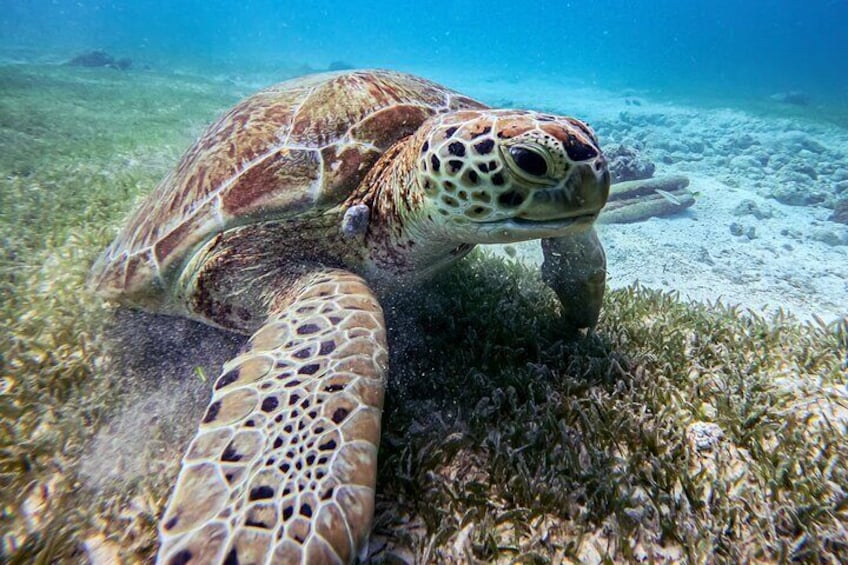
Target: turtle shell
x=301, y=144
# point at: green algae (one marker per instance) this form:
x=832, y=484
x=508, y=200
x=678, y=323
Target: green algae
x=583, y=449
x=77, y=148
x=504, y=439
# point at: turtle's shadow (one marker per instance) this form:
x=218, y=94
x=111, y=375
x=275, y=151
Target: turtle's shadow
x=163, y=368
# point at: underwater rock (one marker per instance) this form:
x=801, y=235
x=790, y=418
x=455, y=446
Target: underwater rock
x=738, y=229
x=840, y=212
x=830, y=237
x=704, y=436
x=840, y=174
x=355, y=220
x=794, y=97
x=744, y=141
x=749, y=207
x=99, y=58
x=794, y=192
x=644, y=119
x=340, y=66
x=626, y=163
x=792, y=233
x=749, y=164
x=634, y=201
x=795, y=141
x=809, y=170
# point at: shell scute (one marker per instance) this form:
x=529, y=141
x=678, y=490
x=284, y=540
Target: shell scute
x=345, y=167
x=188, y=234
x=289, y=171
x=386, y=126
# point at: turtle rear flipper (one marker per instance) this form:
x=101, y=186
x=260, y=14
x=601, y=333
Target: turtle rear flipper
x=283, y=466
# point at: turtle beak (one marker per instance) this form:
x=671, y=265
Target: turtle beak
x=570, y=206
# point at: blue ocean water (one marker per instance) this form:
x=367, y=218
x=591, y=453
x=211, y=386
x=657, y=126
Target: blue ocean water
x=718, y=48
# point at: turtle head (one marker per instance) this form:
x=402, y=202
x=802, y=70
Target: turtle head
x=497, y=176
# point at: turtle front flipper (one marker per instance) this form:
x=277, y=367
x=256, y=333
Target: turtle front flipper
x=575, y=267
x=283, y=466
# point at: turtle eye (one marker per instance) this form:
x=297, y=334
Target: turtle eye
x=528, y=160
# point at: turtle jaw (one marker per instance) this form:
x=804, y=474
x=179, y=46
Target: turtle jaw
x=551, y=211
x=513, y=230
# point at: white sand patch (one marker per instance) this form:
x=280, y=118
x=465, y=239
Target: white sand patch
x=696, y=254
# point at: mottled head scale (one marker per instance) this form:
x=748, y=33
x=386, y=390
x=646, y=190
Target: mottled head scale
x=505, y=174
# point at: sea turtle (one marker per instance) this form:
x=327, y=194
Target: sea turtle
x=286, y=221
